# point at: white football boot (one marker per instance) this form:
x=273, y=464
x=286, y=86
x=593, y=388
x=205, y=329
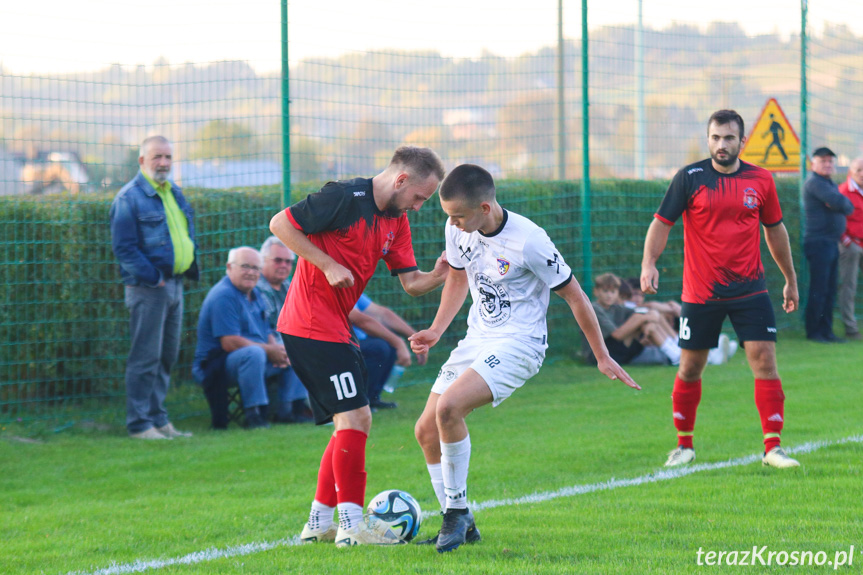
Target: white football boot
x=310, y=535
x=680, y=456
x=777, y=457
x=370, y=531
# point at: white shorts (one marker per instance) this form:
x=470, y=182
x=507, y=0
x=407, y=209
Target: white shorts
x=504, y=364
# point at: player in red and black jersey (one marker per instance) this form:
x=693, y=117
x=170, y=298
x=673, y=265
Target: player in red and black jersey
x=724, y=203
x=721, y=210
x=340, y=234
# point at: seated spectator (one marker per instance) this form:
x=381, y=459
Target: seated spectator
x=638, y=335
x=236, y=345
x=624, y=292
x=273, y=285
x=382, y=347
x=670, y=309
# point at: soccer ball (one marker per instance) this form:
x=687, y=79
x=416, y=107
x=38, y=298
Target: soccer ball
x=399, y=510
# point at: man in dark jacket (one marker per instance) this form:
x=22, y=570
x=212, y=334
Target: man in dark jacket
x=825, y=210
x=153, y=238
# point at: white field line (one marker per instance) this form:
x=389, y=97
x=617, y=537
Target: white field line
x=211, y=554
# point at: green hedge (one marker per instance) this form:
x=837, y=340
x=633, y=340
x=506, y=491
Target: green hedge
x=63, y=325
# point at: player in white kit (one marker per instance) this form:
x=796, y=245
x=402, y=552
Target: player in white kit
x=509, y=265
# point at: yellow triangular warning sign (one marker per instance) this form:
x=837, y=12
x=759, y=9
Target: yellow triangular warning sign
x=772, y=143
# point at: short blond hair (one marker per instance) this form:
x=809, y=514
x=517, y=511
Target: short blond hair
x=420, y=162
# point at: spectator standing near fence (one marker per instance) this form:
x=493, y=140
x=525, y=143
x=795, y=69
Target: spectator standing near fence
x=153, y=238
x=825, y=210
x=851, y=248
x=724, y=202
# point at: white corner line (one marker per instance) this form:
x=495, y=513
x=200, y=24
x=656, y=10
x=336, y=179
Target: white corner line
x=141, y=566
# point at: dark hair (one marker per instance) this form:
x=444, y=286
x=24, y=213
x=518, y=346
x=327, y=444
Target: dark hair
x=723, y=117
x=470, y=182
x=634, y=283
x=625, y=290
x=421, y=162
x=607, y=281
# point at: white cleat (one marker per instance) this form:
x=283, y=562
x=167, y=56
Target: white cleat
x=310, y=535
x=371, y=531
x=680, y=456
x=777, y=457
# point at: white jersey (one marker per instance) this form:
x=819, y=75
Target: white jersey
x=510, y=272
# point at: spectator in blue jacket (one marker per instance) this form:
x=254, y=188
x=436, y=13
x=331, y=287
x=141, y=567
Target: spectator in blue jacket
x=153, y=238
x=825, y=209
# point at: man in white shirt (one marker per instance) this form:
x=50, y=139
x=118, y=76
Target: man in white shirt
x=509, y=265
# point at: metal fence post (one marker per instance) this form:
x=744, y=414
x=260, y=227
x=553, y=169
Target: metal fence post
x=286, y=112
x=561, y=107
x=585, y=153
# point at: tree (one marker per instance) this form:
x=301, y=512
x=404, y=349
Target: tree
x=305, y=159
x=225, y=140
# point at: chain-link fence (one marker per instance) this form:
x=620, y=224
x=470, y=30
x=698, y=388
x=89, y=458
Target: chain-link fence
x=498, y=85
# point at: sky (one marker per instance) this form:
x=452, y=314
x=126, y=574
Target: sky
x=57, y=36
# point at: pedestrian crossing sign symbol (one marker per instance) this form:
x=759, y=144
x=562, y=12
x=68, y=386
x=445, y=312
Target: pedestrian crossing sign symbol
x=772, y=143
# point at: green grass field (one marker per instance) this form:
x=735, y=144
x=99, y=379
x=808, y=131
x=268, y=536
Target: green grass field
x=93, y=501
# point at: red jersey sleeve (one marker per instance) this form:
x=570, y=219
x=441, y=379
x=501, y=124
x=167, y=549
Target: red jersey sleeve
x=399, y=256
x=771, y=213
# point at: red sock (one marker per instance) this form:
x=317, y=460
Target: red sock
x=349, y=466
x=326, y=491
x=770, y=401
x=684, y=401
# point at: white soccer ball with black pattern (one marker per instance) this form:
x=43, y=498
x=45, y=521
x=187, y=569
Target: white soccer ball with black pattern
x=399, y=510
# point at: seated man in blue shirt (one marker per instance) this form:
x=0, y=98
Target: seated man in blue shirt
x=233, y=333
x=382, y=347
x=293, y=406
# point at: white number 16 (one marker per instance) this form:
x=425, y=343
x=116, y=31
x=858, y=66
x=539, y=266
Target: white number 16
x=685, y=332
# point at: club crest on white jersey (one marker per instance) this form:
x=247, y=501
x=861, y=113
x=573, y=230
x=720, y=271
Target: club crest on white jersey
x=494, y=305
x=502, y=266
x=510, y=272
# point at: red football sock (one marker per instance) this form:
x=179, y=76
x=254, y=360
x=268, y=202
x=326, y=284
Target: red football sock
x=349, y=466
x=684, y=401
x=326, y=491
x=770, y=401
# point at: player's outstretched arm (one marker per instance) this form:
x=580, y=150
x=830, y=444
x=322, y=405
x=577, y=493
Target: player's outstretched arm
x=337, y=274
x=417, y=283
x=654, y=244
x=780, y=249
x=583, y=312
x=451, y=299
x=374, y=328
